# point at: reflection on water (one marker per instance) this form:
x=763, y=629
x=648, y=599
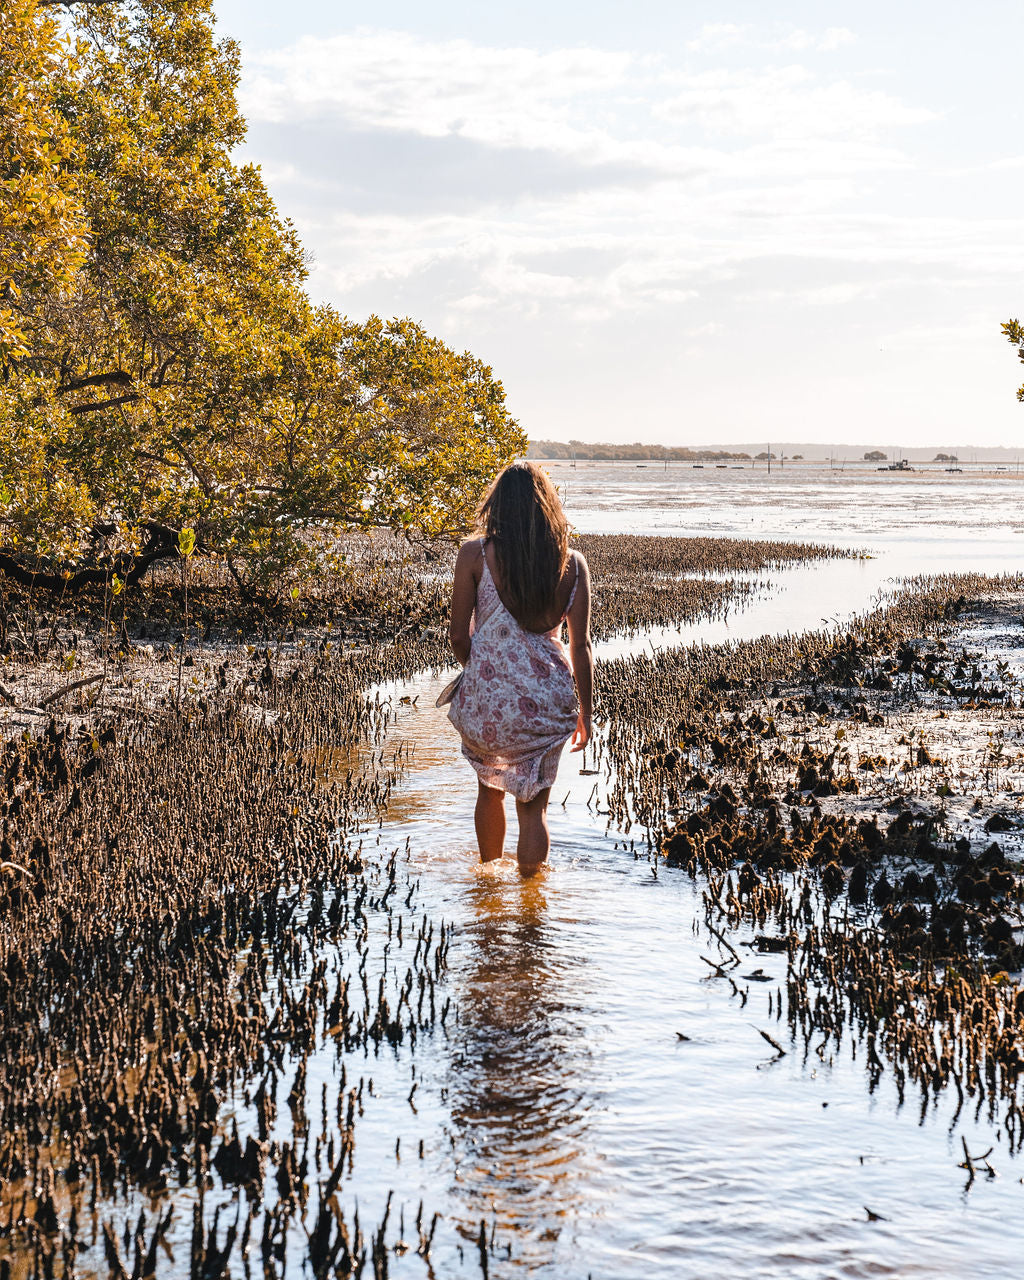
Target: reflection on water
x=518, y=1069
x=591, y=1141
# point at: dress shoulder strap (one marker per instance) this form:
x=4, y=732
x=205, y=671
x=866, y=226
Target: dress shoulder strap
x=575, y=584
x=487, y=598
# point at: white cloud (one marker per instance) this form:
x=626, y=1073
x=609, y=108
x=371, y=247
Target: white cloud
x=599, y=107
x=799, y=40
x=791, y=103
x=717, y=37
x=505, y=97
x=829, y=295
x=539, y=199
x=835, y=38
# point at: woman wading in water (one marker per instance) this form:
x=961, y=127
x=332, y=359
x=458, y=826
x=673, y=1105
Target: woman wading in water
x=519, y=700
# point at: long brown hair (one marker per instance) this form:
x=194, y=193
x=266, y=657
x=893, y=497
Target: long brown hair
x=522, y=516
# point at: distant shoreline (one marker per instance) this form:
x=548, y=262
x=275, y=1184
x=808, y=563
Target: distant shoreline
x=1012, y=466
x=789, y=451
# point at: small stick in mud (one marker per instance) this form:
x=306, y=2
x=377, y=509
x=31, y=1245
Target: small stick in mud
x=967, y=1162
x=970, y=1161
x=70, y=688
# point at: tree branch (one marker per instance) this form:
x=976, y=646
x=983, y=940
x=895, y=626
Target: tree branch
x=116, y=377
x=105, y=404
x=70, y=688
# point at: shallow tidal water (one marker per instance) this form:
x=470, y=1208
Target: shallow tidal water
x=562, y=1110
x=927, y=521
x=555, y=1119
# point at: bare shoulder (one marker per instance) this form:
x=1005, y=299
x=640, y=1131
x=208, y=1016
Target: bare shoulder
x=470, y=557
x=472, y=549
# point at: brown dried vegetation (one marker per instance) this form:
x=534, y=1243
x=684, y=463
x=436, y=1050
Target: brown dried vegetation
x=642, y=582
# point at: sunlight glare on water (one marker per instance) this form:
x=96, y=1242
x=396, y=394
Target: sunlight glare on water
x=920, y=521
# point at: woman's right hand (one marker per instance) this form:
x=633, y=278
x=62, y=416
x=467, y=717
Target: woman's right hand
x=582, y=732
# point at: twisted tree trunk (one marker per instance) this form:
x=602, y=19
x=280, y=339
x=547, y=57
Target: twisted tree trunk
x=162, y=544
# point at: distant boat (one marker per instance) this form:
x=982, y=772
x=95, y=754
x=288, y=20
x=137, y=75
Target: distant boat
x=959, y=470
x=902, y=465
x=698, y=466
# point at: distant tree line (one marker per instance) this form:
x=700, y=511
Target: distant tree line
x=628, y=452
x=877, y=455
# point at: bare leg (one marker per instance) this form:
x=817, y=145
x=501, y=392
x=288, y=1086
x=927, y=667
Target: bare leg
x=534, y=840
x=490, y=822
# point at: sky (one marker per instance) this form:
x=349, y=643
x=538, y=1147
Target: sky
x=683, y=223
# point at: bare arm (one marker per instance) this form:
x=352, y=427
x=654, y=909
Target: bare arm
x=580, y=653
x=467, y=566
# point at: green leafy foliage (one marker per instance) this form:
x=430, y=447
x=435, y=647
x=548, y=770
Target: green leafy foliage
x=1014, y=332
x=161, y=367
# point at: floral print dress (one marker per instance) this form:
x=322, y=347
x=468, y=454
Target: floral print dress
x=516, y=706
